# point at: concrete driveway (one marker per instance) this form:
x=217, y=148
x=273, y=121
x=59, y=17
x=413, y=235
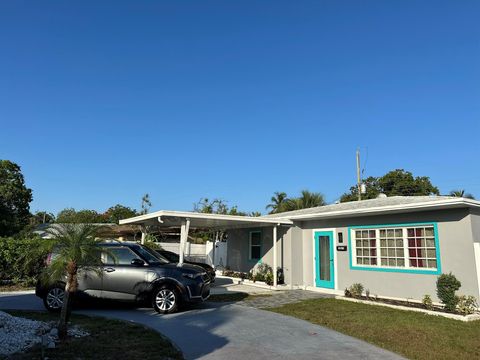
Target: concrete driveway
x=221, y=331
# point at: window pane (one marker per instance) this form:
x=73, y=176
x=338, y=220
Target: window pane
x=429, y=231
x=324, y=258
x=120, y=256
x=256, y=238
x=430, y=243
x=431, y=254
x=255, y=252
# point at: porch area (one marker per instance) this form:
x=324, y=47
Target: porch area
x=253, y=250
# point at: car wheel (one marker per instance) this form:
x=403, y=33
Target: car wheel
x=165, y=299
x=53, y=299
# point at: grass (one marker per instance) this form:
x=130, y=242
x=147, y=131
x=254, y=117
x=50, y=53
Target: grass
x=109, y=339
x=411, y=334
x=16, y=287
x=234, y=297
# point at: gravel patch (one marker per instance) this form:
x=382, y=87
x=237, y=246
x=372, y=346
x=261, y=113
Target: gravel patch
x=19, y=334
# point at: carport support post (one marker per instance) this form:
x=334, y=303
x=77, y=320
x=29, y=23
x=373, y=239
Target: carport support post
x=183, y=239
x=144, y=234
x=275, y=256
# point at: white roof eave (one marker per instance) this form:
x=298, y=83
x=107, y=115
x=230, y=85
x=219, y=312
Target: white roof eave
x=446, y=204
x=216, y=217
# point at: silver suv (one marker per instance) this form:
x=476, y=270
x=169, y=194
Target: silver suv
x=134, y=273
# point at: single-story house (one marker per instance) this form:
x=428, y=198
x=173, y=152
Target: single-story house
x=394, y=246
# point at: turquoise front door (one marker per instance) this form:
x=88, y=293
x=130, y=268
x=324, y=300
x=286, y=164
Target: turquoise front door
x=324, y=269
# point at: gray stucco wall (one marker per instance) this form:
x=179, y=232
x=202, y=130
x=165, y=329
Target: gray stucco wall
x=238, y=251
x=455, y=238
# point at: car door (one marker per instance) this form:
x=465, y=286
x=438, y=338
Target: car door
x=90, y=282
x=122, y=280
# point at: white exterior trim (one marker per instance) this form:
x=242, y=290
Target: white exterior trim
x=194, y=215
x=476, y=251
x=439, y=204
x=335, y=266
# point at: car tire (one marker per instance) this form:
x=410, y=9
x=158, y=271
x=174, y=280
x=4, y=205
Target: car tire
x=165, y=299
x=53, y=298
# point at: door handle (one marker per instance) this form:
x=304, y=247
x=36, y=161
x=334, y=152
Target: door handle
x=109, y=269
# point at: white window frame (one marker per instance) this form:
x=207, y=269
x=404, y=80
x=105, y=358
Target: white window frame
x=250, y=244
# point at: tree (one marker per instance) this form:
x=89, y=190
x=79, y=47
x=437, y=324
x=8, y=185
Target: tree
x=278, y=201
x=255, y=213
x=78, y=250
x=118, y=212
x=146, y=204
x=215, y=206
x=71, y=216
x=15, y=199
x=42, y=217
x=461, y=193
x=394, y=183
x=306, y=200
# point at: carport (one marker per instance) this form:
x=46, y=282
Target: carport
x=192, y=220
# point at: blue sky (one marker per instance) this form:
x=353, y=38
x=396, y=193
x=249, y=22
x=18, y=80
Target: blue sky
x=101, y=102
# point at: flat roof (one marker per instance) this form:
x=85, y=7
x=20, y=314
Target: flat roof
x=166, y=218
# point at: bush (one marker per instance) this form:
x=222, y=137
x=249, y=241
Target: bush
x=356, y=290
x=466, y=305
x=427, y=302
x=447, y=284
x=269, y=279
x=21, y=260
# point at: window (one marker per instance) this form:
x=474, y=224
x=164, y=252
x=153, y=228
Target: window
x=119, y=256
x=421, y=247
x=366, y=247
x=397, y=247
x=255, y=245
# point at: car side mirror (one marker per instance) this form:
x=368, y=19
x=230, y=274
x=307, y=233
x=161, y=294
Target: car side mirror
x=137, y=262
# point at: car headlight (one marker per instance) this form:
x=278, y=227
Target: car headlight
x=192, y=276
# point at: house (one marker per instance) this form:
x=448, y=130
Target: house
x=395, y=246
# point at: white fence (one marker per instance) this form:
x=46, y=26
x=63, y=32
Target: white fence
x=200, y=252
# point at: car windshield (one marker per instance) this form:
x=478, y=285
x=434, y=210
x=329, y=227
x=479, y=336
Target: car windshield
x=151, y=256
x=172, y=257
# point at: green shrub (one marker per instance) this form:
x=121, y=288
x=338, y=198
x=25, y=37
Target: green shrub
x=356, y=290
x=447, y=284
x=466, y=305
x=269, y=279
x=427, y=302
x=21, y=260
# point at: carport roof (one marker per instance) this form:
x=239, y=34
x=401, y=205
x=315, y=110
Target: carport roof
x=166, y=218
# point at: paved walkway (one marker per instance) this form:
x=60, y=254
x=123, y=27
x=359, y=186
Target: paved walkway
x=230, y=331
x=279, y=298
x=268, y=298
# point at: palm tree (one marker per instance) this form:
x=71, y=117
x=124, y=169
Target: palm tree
x=306, y=200
x=277, y=202
x=76, y=248
x=146, y=204
x=461, y=193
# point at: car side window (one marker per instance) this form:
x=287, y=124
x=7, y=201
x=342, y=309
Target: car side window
x=119, y=256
